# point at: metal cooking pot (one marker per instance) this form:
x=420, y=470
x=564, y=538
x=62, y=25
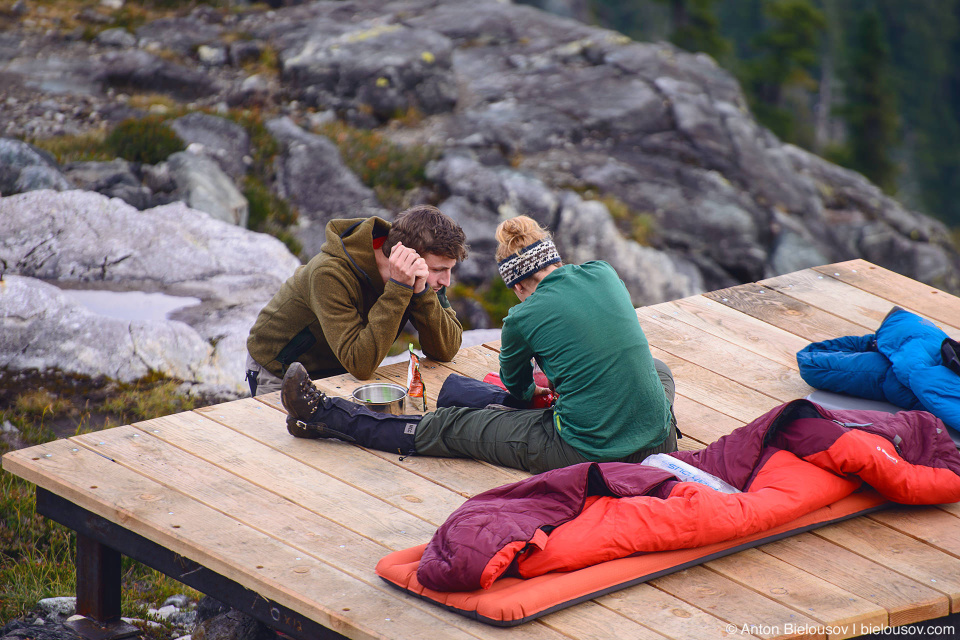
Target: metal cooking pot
x=385, y=397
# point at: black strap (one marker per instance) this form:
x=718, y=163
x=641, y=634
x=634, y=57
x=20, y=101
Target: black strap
x=297, y=346
x=252, y=380
x=950, y=351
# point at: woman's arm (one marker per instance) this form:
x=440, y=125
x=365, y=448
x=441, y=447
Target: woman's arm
x=516, y=372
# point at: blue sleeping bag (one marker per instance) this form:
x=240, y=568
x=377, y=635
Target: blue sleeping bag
x=909, y=362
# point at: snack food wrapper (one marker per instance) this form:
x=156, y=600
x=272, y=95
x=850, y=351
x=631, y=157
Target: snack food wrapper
x=416, y=390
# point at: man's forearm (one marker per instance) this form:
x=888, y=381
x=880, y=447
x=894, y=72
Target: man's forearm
x=440, y=331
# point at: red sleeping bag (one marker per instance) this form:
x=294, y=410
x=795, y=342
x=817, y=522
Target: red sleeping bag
x=520, y=551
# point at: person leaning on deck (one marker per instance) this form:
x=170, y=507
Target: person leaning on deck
x=343, y=310
x=615, y=401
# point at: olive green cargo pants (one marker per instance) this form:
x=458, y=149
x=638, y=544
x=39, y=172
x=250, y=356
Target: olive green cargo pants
x=522, y=439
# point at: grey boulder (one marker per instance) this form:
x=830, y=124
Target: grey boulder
x=81, y=239
x=23, y=167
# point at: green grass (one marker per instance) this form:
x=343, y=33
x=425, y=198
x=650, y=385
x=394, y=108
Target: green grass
x=85, y=147
x=36, y=554
x=139, y=403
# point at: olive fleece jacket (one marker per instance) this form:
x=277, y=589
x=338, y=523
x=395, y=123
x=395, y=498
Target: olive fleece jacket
x=336, y=314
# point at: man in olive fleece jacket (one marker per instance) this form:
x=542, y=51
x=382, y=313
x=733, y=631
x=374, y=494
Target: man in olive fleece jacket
x=343, y=310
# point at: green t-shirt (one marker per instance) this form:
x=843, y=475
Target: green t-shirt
x=583, y=330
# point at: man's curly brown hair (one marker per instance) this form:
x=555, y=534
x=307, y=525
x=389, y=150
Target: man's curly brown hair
x=425, y=229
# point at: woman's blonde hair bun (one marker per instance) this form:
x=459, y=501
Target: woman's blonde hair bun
x=516, y=233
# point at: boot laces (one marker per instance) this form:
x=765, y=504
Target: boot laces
x=311, y=394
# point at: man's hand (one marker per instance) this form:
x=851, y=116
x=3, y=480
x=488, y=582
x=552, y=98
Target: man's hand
x=408, y=267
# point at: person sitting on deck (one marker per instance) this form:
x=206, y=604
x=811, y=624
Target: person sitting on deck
x=615, y=401
x=343, y=310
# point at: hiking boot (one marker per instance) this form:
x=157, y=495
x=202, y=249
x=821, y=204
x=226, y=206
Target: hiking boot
x=312, y=414
x=298, y=395
x=306, y=406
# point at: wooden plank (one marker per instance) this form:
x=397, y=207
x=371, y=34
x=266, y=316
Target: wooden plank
x=274, y=510
x=320, y=491
x=267, y=510
x=932, y=525
x=844, y=613
x=698, y=347
x=786, y=313
x=722, y=394
x=464, y=477
x=689, y=444
x=952, y=508
x=591, y=621
x=475, y=362
x=905, y=600
x=745, y=609
x=493, y=345
x=374, y=471
x=830, y=294
x=700, y=422
x=734, y=326
x=666, y=614
x=923, y=299
x=899, y=552
x=276, y=571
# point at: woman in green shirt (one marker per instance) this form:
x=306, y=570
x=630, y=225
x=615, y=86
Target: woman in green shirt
x=614, y=400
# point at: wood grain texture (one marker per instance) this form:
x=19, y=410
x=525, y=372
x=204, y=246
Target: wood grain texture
x=899, y=552
x=925, y=300
x=735, y=326
x=722, y=597
x=802, y=591
x=904, y=599
x=723, y=358
x=784, y=312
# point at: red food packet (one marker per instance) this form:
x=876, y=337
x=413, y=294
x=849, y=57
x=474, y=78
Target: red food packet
x=416, y=390
x=538, y=402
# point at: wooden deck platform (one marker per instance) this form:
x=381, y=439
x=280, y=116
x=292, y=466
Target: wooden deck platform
x=289, y=530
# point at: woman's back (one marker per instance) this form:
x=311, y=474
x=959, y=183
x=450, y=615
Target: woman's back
x=583, y=329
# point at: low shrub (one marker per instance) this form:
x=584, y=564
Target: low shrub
x=636, y=226
x=391, y=170
x=148, y=140
x=270, y=213
x=495, y=298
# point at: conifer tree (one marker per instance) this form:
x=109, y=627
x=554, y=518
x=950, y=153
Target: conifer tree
x=870, y=108
x=787, y=56
x=695, y=27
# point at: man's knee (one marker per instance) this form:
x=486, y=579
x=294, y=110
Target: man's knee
x=260, y=380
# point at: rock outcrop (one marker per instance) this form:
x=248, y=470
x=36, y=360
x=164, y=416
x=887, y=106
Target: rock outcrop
x=85, y=240
x=312, y=177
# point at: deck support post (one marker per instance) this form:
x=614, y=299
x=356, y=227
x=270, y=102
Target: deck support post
x=98, y=580
x=100, y=547
x=98, y=592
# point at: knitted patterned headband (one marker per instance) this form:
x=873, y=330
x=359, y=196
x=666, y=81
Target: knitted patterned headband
x=531, y=259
